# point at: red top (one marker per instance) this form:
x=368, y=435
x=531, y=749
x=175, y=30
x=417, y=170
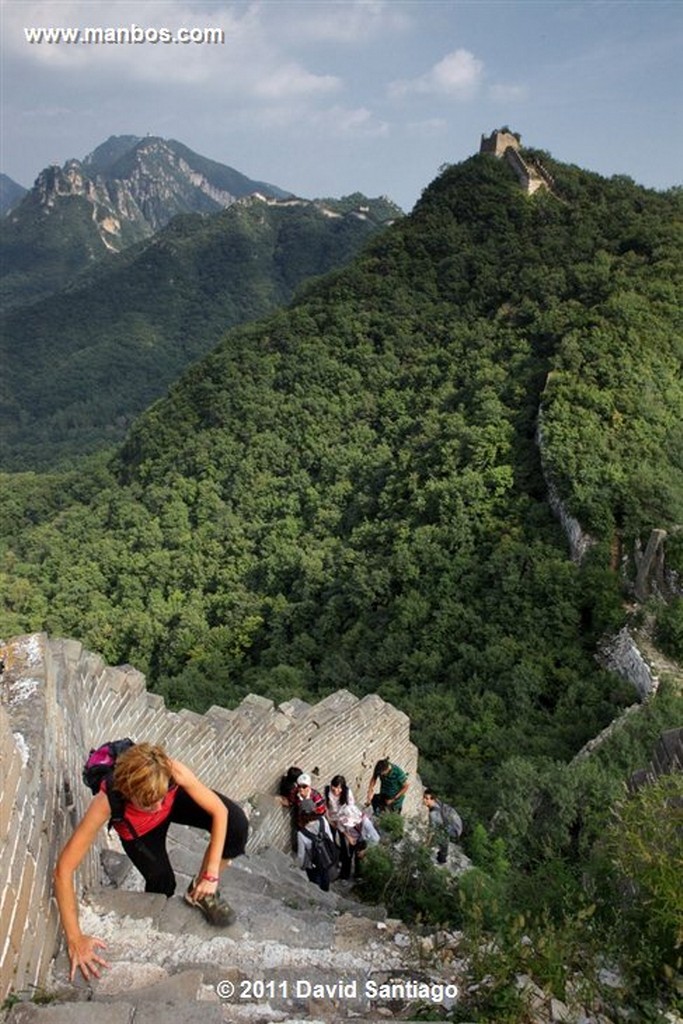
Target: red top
x=143, y=821
x=319, y=806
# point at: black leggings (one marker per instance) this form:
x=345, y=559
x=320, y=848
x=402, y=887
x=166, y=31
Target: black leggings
x=149, y=855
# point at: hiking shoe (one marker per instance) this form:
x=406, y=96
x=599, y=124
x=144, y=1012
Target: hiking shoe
x=216, y=910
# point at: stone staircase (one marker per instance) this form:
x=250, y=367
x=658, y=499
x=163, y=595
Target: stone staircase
x=57, y=700
x=168, y=966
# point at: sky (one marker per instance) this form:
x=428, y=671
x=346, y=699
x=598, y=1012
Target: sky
x=325, y=98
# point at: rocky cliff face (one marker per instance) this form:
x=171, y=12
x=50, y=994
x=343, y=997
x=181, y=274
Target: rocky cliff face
x=126, y=191
x=135, y=186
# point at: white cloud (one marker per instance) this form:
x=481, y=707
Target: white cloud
x=458, y=75
x=359, y=121
x=45, y=113
x=138, y=61
x=253, y=60
x=428, y=127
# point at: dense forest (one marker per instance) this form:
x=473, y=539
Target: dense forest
x=79, y=366
x=350, y=493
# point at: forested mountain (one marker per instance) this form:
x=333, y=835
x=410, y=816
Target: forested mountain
x=79, y=366
x=124, y=191
x=10, y=193
x=350, y=493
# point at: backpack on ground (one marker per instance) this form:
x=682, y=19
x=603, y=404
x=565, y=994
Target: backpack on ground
x=99, y=768
x=325, y=852
x=452, y=821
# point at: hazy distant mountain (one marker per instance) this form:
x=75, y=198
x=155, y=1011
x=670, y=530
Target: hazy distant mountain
x=10, y=193
x=121, y=193
x=80, y=365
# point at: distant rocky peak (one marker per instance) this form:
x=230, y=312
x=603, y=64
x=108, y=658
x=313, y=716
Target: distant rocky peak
x=108, y=153
x=121, y=193
x=200, y=181
x=56, y=181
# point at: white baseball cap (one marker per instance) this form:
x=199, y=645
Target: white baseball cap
x=304, y=779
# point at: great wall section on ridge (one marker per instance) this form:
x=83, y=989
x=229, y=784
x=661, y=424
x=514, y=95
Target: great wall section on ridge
x=505, y=145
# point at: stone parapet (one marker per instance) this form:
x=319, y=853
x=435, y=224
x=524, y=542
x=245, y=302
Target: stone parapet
x=622, y=655
x=58, y=700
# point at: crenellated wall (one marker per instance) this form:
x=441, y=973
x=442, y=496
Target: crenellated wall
x=58, y=700
x=498, y=142
x=505, y=145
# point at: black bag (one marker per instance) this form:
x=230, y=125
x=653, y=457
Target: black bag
x=325, y=853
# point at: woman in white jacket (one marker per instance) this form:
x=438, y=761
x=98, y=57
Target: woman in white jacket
x=354, y=827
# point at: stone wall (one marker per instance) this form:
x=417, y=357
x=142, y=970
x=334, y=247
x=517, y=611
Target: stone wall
x=527, y=175
x=58, y=700
x=666, y=758
x=622, y=655
x=579, y=541
x=32, y=821
x=505, y=145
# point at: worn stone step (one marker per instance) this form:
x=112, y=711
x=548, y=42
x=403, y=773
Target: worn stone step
x=167, y=1012
x=268, y=872
x=165, y=937
x=182, y=1013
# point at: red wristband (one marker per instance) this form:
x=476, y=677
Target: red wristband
x=210, y=878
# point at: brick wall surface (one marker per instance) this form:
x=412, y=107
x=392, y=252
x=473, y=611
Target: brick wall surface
x=58, y=700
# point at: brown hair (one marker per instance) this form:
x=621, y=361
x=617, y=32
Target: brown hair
x=143, y=774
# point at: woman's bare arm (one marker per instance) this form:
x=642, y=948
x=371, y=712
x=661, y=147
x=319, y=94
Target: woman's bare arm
x=82, y=948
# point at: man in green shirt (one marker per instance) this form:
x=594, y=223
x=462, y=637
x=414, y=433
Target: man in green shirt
x=393, y=785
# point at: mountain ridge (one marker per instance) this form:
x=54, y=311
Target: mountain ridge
x=80, y=365
x=388, y=419
x=124, y=191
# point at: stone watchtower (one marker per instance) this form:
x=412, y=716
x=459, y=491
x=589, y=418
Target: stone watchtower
x=498, y=141
x=506, y=145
